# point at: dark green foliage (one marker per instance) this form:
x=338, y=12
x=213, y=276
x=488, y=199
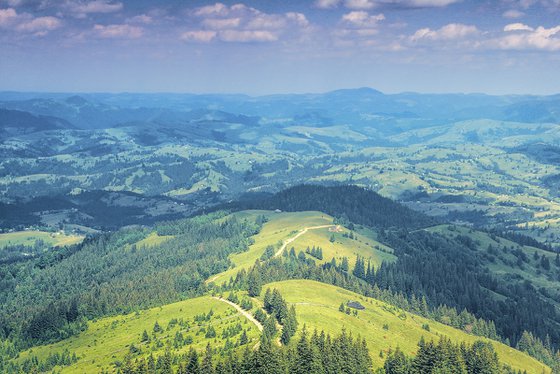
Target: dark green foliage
x=447, y=272
x=445, y=357
x=268, y=253
x=318, y=354
x=315, y=252
x=104, y=276
x=351, y=203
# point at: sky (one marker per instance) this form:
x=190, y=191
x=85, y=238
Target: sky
x=274, y=46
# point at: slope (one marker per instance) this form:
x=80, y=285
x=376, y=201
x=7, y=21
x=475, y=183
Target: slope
x=382, y=325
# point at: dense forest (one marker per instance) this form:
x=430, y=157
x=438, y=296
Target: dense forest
x=444, y=271
x=349, y=203
x=50, y=298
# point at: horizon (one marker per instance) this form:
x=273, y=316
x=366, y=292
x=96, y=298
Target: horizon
x=269, y=47
x=287, y=93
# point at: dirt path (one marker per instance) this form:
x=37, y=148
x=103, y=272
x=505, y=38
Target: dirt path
x=243, y=312
x=290, y=240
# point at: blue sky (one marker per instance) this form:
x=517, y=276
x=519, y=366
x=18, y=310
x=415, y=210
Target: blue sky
x=262, y=47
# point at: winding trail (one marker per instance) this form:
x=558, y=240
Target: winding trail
x=240, y=310
x=290, y=240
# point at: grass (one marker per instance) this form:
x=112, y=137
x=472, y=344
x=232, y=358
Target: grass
x=153, y=240
x=108, y=340
x=317, y=307
x=28, y=238
x=280, y=226
x=362, y=245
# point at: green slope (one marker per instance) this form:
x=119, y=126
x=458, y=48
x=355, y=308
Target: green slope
x=108, y=340
x=317, y=307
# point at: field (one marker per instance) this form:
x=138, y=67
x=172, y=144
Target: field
x=108, y=340
x=280, y=226
x=28, y=238
x=343, y=246
x=153, y=240
x=317, y=307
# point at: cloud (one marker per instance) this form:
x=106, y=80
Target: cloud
x=447, y=32
x=122, y=31
x=522, y=37
x=7, y=16
x=327, y=4
x=142, y=18
x=243, y=24
x=244, y=36
x=81, y=9
x=201, y=36
x=27, y=23
x=513, y=13
x=517, y=27
x=370, y=4
x=361, y=19
x=40, y=25
x=359, y=4
x=221, y=23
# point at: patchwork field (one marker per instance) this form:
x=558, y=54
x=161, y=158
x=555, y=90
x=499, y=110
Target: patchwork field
x=29, y=238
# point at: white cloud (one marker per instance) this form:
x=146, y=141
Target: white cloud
x=201, y=36
x=447, y=32
x=221, y=23
x=370, y=4
x=527, y=38
x=40, y=25
x=517, y=27
x=7, y=16
x=81, y=9
x=513, y=13
x=142, y=18
x=217, y=9
x=428, y=3
x=359, y=4
x=122, y=31
x=327, y=4
x=27, y=23
x=361, y=19
x=244, y=36
x=240, y=23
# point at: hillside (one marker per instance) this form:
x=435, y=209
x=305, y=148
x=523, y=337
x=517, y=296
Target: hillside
x=382, y=325
x=108, y=342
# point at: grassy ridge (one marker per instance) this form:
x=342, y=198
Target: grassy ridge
x=280, y=226
x=317, y=306
x=108, y=339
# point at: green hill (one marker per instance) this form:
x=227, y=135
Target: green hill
x=382, y=325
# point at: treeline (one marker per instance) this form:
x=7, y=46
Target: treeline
x=447, y=357
x=317, y=353
x=43, y=301
x=276, y=306
x=34, y=365
x=350, y=203
x=451, y=271
x=292, y=266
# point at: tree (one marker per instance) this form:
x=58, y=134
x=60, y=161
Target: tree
x=254, y=283
x=193, y=366
x=145, y=337
x=397, y=363
x=207, y=365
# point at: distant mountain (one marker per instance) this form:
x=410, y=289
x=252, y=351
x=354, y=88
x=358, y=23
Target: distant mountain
x=19, y=122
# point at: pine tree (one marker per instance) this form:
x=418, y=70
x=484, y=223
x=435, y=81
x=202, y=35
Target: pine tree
x=145, y=337
x=207, y=365
x=268, y=301
x=193, y=366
